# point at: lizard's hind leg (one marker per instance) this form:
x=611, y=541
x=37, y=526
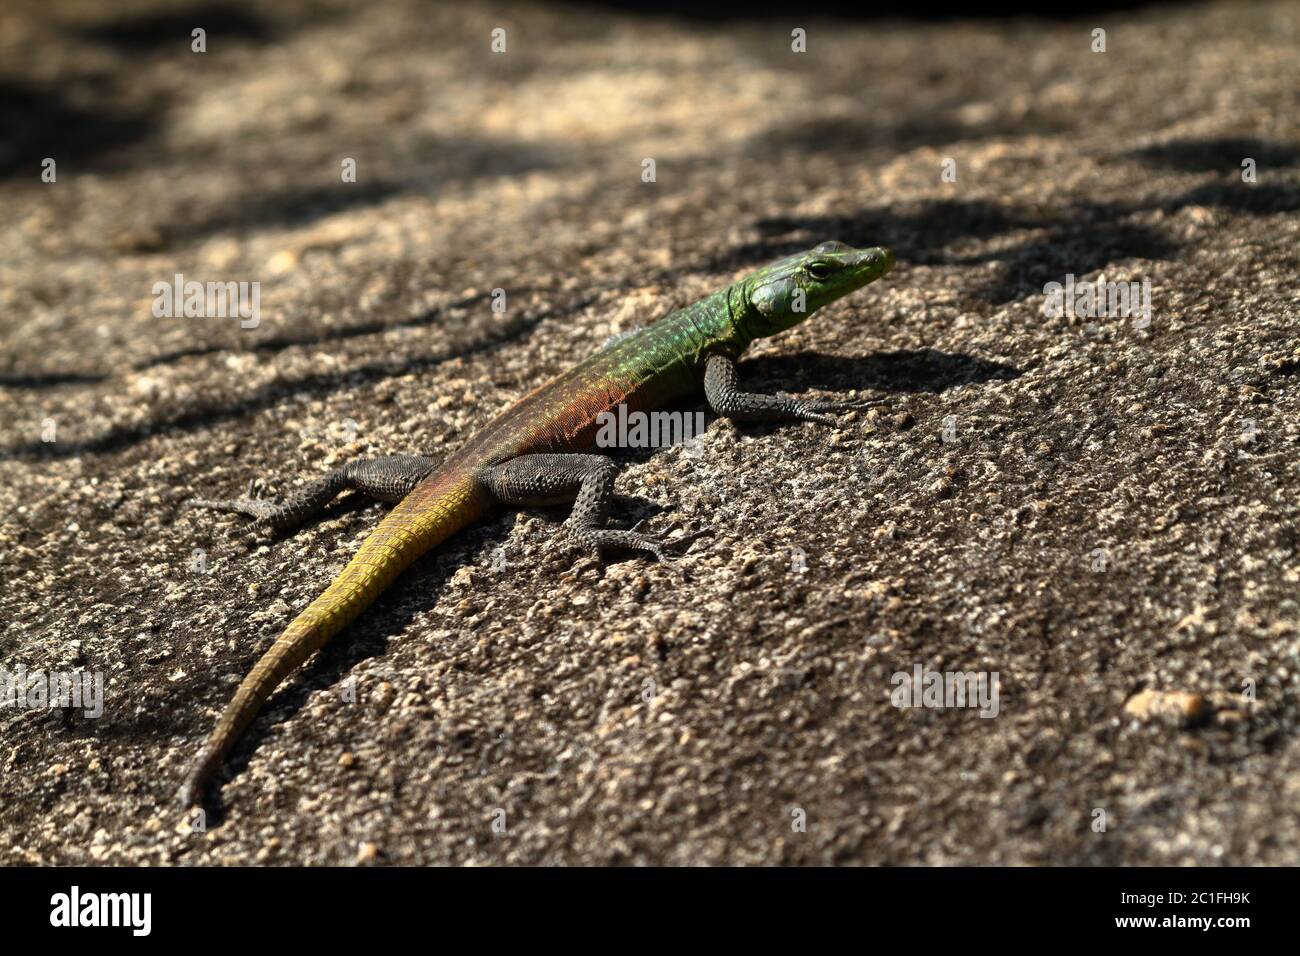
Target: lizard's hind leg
x=389, y=478
x=587, y=481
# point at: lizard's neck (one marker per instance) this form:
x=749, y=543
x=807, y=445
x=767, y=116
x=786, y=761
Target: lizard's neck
x=739, y=312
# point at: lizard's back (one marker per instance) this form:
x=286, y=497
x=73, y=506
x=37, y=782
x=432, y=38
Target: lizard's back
x=648, y=368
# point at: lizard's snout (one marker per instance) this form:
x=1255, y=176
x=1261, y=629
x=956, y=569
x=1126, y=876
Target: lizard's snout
x=868, y=265
x=879, y=257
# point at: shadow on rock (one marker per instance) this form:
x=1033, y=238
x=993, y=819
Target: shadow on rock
x=912, y=370
x=40, y=124
x=1208, y=155
x=202, y=414
x=154, y=30
x=1080, y=238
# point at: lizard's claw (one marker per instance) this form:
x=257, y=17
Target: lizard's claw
x=253, y=507
x=263, y=511
x=682, y=542
x=818, y=410
x=600, y=539
x=674, y=543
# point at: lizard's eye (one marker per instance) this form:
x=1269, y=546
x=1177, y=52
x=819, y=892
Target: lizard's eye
x=820, y=271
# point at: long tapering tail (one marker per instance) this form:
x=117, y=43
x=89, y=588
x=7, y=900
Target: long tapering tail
x=436, y=509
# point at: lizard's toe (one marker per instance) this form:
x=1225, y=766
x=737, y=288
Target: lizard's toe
x=841, y=405
x=682, y=542
x=824, y=412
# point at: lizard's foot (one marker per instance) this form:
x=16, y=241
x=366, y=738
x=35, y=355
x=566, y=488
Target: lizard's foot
x=598, y=540
x=531, y=480
x=253, y=507
x=821, y=411
x=268, y=514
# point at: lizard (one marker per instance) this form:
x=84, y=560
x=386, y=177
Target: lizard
x=537, y=452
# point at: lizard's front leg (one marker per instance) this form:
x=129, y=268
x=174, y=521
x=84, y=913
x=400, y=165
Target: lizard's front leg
x=722, y=389
x=587, y=481
x=390, y=478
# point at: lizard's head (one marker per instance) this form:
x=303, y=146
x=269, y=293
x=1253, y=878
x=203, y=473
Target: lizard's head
x=785, y=293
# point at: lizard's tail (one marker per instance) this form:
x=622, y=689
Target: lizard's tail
x=435, y=509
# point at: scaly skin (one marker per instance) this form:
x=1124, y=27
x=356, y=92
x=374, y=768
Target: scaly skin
x=655, y=366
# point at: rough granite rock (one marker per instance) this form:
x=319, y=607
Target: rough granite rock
x=1092, y=508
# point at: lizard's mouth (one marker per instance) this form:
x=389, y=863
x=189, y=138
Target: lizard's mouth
x=859, y=267
x=873, y=263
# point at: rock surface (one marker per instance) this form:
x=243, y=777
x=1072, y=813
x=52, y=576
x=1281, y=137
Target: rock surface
x=1090, y=507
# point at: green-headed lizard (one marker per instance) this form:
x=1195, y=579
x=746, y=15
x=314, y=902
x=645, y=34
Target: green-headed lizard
x=536, y=452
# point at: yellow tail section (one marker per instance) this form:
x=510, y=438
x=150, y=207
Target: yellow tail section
x=436, y=509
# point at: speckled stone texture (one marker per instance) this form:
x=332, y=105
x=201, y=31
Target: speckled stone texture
x=1105, y=515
